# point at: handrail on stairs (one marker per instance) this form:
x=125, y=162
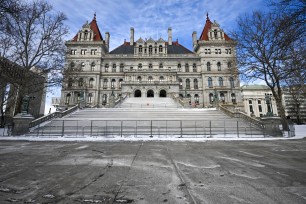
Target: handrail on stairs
x=56, y=114
x=245, y=117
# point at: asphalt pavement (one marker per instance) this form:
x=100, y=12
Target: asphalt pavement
x=153, y=172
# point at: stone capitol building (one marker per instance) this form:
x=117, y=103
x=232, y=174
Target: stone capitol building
x=151, y=68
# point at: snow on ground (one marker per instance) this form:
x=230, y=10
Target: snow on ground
x=300, y=133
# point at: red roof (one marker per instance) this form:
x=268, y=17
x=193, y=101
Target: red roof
x=207, y=27
x=95, y=28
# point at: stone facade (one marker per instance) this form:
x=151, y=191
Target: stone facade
x=151, y=68
x=258, y=101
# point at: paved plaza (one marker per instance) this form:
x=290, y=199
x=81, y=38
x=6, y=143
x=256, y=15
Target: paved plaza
x=153, y=172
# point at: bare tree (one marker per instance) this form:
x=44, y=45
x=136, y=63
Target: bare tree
x=34, y=38
x=262, y=50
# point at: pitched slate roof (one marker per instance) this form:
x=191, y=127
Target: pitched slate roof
x=95, y=28
x=175, y=48
x=207, y=27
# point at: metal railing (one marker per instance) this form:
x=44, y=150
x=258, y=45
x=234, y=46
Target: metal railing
x=52, y=116
x=149, y=128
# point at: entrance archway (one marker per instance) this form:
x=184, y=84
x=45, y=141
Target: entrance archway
x=137, y=93
x=162, y=93
x=150, y=94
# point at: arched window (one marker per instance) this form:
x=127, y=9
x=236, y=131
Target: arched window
x=80, y=82
x=150, y=66
x=195, y=84
x=229, y=65
x=121, y=67
x=89, y=98
x=150, y=79
x=187, y=83
x=91, y=80
x=150, y=49
x=194, y=67
x=105, y=82
x=210, y=82
x=70, y=82
x=72, y=65
x=67, y=100
x=104, y=99
x=120, y=83
x=139, y=79
x=220, y=81
x=208, y=66
x=196, y=99
x=160, y=49
x=222, y=98
x=106, y=67
x=114, y=68
x=113, y=83
x=93, y=66
x=161, y=78
x=82, y=66
x=186, y=67
x=211, y=98
x=231, y=81
x=161, y=65
x=180, y=83
x=219, y=66
x=140, y=49
x=139, y=66
x=179, y=67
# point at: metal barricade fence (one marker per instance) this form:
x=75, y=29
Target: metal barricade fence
x=149, y=128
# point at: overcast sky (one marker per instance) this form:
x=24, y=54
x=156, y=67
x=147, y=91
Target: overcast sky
x=151, y=18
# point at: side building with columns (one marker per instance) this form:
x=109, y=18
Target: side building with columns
x=258, y=100
x=151, y=68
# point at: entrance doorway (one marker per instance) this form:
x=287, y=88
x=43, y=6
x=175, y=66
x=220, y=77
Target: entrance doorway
x=162, y=93
x=150, y=94
x=137, y=93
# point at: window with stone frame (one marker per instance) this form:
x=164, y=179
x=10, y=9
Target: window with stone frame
x=208, y=66
x=114, y=68
x=92, y=66
x=150, y=67
x=186, y=67
x=161, y=78
x=82, y=66
x=150, y=79
x=160, y=49
x=80, y=82
x=220, y=81
x=91, y=81
x=150, y=49
x=113, y=82
x=161, y=65
x=194, y=67
x=67, y=99
x=210, y=82
x=180, y=83
x=219, y=66
x=233, y=96
x=232, y=83
x=179, y=67
x=139, y=66
x=120, y=83
x=196, y=99
x=93, y=51
x=106, y=67
x=140, y=49
x=89, y=100
x=195, y=84
x=70, y=82
x=187, y=83
x=121, y=67
x=105, y=83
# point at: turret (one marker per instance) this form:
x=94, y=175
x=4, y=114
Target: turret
x=132, y=37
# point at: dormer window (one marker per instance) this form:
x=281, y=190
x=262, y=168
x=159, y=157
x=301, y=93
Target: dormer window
x=85, y=35
x=160, y=49
x=140, y=49
x=216, y=33
x=150, y=49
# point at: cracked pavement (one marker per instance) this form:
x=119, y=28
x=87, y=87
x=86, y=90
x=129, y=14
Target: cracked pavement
x=153, y=172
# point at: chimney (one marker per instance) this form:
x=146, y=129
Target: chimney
x=107, y=36
x=169, y=36
x=194, y=39
x=132, y=37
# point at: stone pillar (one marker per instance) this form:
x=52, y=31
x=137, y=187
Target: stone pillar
x=21, y=123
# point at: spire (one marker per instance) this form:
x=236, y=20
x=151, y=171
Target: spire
x=207, y=17
x=94, y=16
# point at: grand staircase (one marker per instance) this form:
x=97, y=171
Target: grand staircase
x=140, y=117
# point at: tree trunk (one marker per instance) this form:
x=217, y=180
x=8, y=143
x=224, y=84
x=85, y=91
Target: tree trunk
x=282, y=114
